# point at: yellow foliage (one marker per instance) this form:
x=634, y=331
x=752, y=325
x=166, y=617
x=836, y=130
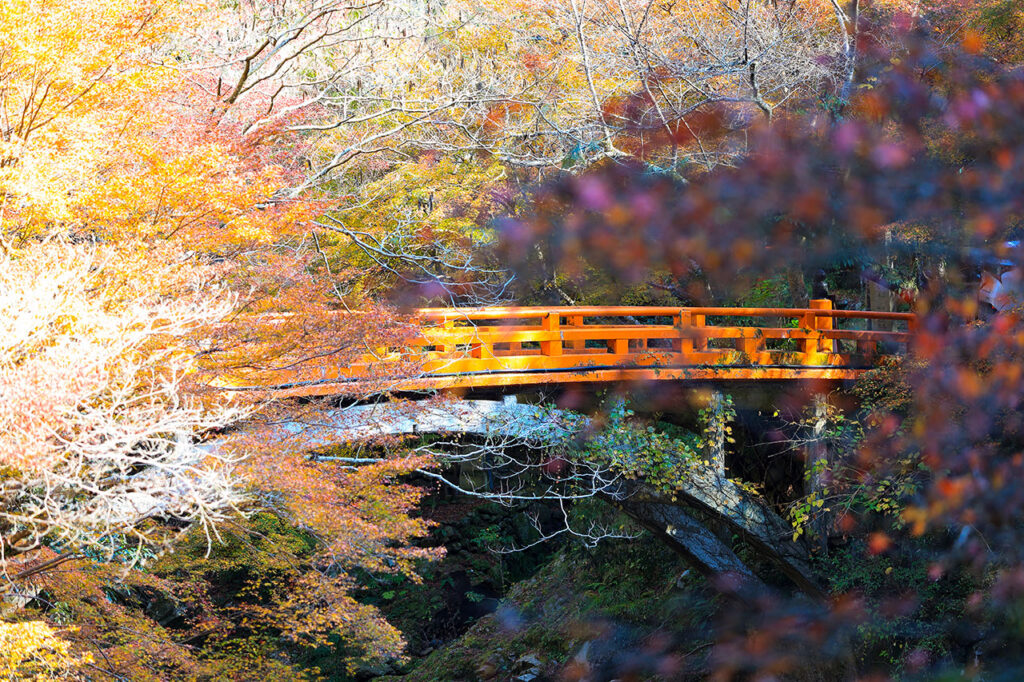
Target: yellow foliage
x=33, y=651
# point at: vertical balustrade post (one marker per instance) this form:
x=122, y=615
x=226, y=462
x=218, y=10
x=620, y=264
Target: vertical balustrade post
x=913, y=325
x=550, y=323
x=576, y=322
x=449, y=328
x=481, y=349
x=824, y=324
x=749, y=344
x=867, y=349
x=683, y=343
x=619, y=346
x=700, y=339
x=809, y=346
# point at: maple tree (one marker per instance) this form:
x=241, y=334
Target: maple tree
x=134, y=209
x=100, y=338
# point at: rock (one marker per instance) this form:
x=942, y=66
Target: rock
x=579, y=668
x=163, y=609
x=487, y=670
x=372, y=670
x=528, y=667
x=523, y=527
x=581, y=655
x=528, y=661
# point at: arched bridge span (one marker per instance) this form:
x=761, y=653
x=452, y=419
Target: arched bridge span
x=454, y=348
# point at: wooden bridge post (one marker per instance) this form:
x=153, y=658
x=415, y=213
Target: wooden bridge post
x=683, y=323
x=809, y=346
x=481, y=349
x=823, y=324
x=550, y=323
x=449, y=327
x=576, y=322
x=700, y=341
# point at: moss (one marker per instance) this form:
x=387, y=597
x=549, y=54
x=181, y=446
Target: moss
x=266, y=541
x=621, y=591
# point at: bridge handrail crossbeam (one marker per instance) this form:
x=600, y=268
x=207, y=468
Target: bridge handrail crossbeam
x=534, y=312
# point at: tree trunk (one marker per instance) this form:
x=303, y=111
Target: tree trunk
x=716, y=444
x=692, y=540
x=797, y=287
x=818, y=470
x=743, y=513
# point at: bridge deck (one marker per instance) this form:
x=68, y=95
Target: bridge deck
x=484, y=347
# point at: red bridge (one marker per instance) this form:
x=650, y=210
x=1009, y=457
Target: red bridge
x=512, y=346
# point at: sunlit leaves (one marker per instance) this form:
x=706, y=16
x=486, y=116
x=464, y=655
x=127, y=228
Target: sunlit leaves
x=31, y=650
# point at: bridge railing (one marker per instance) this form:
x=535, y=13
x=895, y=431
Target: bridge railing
x=730, y=343
x=501, y=346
